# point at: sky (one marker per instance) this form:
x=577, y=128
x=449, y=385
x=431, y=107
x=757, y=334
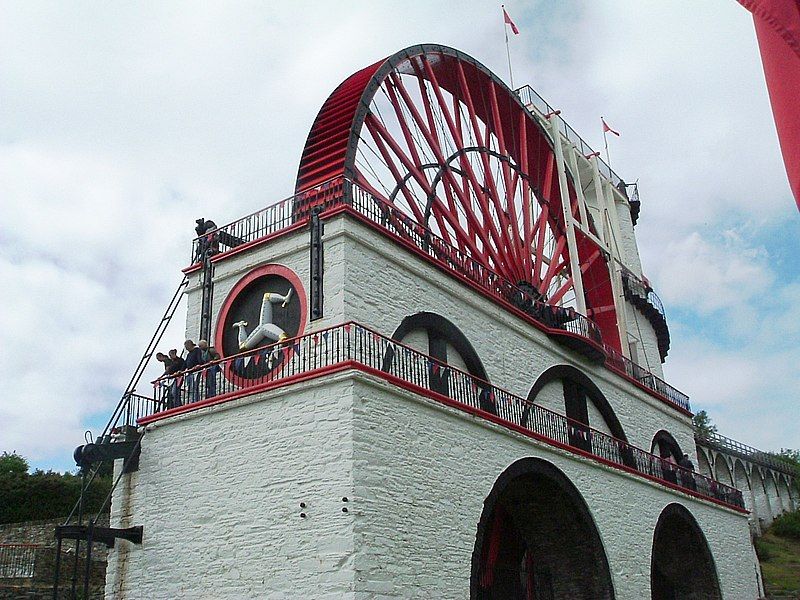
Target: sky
x=121, y=123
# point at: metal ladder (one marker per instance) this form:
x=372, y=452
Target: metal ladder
x=79, y=532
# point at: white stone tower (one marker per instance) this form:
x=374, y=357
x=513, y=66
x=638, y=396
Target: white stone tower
x=454, y=389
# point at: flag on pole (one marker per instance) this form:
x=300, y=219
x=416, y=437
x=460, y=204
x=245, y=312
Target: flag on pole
x=508, y=20
x=607, y=128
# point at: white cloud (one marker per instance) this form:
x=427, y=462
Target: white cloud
x=704, y=276
x=124, y=123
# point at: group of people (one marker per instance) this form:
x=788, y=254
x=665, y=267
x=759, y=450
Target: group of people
x=685, y=473
x=175, y=365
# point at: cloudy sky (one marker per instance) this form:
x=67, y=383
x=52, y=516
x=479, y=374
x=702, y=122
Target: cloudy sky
x=120, y=123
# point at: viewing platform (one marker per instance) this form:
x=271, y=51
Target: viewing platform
x=351, y=346
x=565, y=325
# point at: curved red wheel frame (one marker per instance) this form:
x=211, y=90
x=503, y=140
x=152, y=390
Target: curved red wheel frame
x=435, y=133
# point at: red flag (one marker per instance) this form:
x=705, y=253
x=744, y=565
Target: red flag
x=508, y=20
x=778, y=31
x=607, y=128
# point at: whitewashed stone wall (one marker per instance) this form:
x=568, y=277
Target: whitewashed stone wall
x=423, y=471
x=369, y=279
x=218, y=492
x=385, y=284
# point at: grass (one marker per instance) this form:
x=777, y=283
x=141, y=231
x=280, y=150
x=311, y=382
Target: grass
x=780, y=564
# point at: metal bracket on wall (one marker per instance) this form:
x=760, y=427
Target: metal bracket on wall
x=317, y=264
x=207, y=298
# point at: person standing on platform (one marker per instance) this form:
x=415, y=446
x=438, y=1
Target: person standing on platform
x=194, y=358
x=176, y=365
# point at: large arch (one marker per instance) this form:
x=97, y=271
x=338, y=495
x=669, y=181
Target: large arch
x=703, y=463
x=436, y=336
x=681, y=565
x=537, y=539
x=742, y=482
x=785, y=490
x=722, y=472
x=763, y=504
x=772, y=493
x=665, y=445
x=581, y=398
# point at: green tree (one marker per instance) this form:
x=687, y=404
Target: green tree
x=28, y=496
x=12, y=465
x=703, y=424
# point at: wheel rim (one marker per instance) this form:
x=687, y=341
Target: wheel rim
x=433, y=132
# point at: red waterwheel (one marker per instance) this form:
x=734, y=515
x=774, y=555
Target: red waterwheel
x=433, y=132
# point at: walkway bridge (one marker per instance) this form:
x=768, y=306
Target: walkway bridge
x=768, y=484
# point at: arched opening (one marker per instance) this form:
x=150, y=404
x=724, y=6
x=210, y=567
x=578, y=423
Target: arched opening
x=583, y=402
x=664, y=445
x=786, y=493
x=742, y=482
x=440, y=339
x=703, y=465
x=722, y=471
x=772, y=494
x=537, y=539
x=763, y=504
x=681, y=565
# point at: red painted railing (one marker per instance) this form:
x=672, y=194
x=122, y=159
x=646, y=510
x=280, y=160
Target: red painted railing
x=353, y=346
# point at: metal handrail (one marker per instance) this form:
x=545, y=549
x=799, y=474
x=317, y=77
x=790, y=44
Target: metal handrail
x=529, y=96
x=625, y=365
x=261, y=223
x=644, y=291
x=352, y=345
x=716, y=440
x=330, y=194
x=18, y=561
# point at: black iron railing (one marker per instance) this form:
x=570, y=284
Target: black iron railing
x=351, y=345
x=389, y=218
x=453, y=259
x=267, y=221
x=731, y=446
x=529, y=96
x=642, y=296
x=639, y=288
x=624, y=365
x=18, y=561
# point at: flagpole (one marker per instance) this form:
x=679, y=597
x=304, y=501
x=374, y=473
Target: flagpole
x=605, y=142
x=508, y=51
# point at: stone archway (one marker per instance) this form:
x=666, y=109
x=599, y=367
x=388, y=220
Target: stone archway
x=722, y=471
x=582, y=402
x=763, y=504
x=703, y=464
x=772, y=493
x=681, y=565
x=537, y=539
x=742, y=482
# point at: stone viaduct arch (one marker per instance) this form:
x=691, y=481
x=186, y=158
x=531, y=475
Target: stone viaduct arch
x=722, y=472
x=765, y=481
x=537, y=539
x=741, y=481
x=772, y=493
